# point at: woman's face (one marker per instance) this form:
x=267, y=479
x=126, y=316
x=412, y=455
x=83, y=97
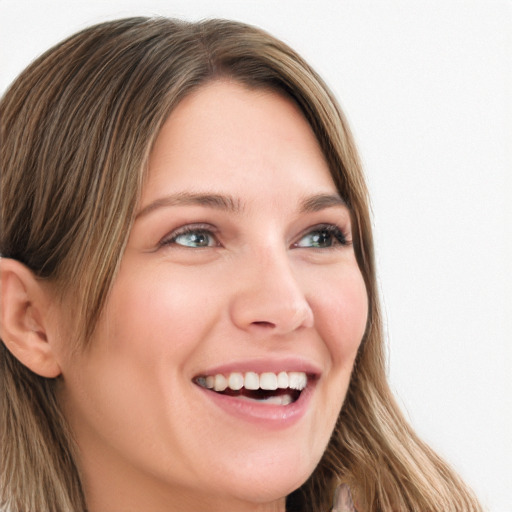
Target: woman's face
x=239, y=271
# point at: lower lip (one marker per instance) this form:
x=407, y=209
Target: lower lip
x=269, y=415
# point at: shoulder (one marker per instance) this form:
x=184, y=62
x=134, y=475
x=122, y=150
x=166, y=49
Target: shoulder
x=343, y=500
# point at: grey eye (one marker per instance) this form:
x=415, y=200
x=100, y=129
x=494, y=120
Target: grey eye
x=317, y=239
x=195, y=238
x=322, y=238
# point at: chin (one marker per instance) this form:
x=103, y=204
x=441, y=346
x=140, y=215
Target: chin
x=268, y=488
x=270, y=476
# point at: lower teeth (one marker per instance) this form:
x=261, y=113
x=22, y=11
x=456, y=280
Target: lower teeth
x=271, y=400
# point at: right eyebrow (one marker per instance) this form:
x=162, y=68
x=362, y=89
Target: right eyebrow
x=216, y=201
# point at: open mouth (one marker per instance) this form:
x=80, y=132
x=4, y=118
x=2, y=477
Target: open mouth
x=270, y=388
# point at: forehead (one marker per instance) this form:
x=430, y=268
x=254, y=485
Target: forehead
x=225, y=134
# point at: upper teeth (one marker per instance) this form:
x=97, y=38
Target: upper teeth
x=251, y=380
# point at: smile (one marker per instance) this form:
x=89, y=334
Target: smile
x=270, y=388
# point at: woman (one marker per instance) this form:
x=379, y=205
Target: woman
x=189, y=310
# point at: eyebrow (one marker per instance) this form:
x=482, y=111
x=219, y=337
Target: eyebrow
x=228, y=203
x=320, y=202
x=216, y=201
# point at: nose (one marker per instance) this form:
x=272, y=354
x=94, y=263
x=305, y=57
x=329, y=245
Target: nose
x=268, y=296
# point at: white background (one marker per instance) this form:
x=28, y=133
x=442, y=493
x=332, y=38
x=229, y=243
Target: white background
x=427, y=87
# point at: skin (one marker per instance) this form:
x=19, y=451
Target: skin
x=259, y=290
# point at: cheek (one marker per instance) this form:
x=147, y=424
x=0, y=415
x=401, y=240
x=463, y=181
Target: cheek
x=341, y=314
x=149, y=332
x=341, y=311
x=161, y=316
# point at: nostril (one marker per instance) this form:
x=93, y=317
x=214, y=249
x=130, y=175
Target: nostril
x=264, y=324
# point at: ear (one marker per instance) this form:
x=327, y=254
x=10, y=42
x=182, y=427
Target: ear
x=25, y=306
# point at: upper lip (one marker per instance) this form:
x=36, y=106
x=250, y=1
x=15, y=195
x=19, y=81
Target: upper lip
x=261, y=365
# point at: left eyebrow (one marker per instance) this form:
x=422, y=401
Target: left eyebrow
x=320, y=202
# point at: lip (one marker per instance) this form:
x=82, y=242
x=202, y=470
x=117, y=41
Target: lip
x=269, y=416
x=273, y=417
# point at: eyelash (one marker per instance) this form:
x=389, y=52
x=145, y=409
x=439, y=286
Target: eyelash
x=337, y=236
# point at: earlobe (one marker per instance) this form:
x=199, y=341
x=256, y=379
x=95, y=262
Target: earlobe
x=24, y=322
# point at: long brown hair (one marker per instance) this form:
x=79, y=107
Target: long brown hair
x=76, y=131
